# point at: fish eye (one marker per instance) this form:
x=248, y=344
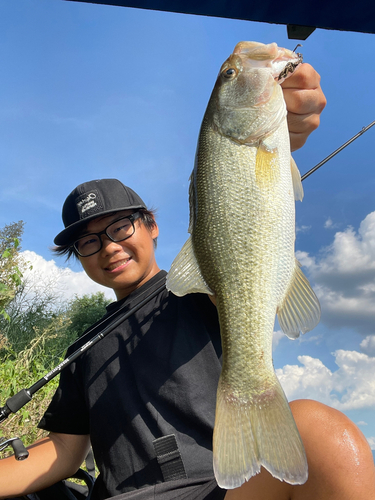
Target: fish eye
x=229, y=73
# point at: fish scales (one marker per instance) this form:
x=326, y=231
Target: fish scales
x=241, y=250
x=232, y=267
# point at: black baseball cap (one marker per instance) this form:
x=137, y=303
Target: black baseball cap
x=93, y=199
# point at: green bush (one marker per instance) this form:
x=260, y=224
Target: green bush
x=44, y=347
x=21, y=372
x=35, y=330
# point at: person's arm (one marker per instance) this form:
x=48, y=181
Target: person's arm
x=305, y=102
x=51, y=459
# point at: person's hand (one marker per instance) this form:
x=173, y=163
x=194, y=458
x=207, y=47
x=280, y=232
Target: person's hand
x=305, y=101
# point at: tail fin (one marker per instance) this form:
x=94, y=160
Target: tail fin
x=254, y=432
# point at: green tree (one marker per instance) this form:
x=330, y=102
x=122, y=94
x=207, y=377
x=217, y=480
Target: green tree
x=85, y=311
x=10, y=274
x=32, y=311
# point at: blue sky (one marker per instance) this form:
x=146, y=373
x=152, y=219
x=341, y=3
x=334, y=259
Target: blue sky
x=90, y=91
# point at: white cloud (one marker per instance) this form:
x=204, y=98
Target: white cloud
x=316, y=339
x=62, y=282
x=350, y=387
x=329, y=224
x=277, y=336
x=312, y=380
x=344, y=277
x=371, y=442
x=368, y=345
x=303, y=229
x=361, y=422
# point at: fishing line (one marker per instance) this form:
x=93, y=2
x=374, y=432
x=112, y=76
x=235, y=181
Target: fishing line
x=364, y=129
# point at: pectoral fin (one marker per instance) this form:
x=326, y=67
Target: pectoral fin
x=300, y=310
x=185, y=276
x=296, y=178
x=267, y=167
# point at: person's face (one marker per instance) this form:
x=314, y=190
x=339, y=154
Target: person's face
x=122, y=266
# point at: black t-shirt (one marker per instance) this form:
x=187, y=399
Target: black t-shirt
x=155, y=375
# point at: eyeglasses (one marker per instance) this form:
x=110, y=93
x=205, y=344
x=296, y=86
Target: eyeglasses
x=118, y=230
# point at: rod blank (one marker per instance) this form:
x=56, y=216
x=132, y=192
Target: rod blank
x=364, y=129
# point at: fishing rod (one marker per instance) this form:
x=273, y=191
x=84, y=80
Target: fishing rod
x=364, y=129
x=16, y=402
x=20, y=399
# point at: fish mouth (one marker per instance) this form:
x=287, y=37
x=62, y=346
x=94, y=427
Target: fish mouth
x=289, y=68
x=118, y=264
x=282, y=62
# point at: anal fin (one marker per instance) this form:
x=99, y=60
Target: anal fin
x=300, y=309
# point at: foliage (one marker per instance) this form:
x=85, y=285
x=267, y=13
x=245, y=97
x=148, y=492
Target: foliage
x=28, y=314
x=85, y=311
x=10, y=274
x=21, y=373
x=35, y=329
x=44, y=335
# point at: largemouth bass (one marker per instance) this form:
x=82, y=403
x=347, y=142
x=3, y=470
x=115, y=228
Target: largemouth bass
x=241, y=249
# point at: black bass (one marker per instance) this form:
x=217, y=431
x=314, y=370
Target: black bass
x=241, y=249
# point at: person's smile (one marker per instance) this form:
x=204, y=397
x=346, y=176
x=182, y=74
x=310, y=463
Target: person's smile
x=118, y=266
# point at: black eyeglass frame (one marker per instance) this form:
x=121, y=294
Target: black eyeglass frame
x=132, y=217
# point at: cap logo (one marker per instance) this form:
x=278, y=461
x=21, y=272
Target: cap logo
x=89, y=204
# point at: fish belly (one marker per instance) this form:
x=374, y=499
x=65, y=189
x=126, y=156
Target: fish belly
x=243, y=239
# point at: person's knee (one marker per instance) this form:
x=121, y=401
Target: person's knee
x=322, y=425
x=339, y=459
x=338, y=454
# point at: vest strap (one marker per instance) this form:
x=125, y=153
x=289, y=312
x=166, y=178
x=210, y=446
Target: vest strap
x=169, y=458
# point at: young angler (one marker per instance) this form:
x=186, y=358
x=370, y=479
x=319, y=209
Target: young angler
x=145, y=395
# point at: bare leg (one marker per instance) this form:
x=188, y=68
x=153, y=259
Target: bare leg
x=340, y=461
